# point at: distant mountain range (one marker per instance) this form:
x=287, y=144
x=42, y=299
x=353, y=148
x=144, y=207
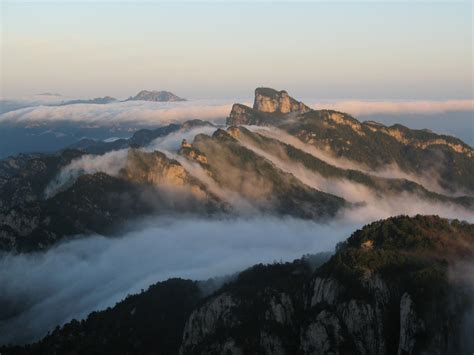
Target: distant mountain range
x=97, y=100
x=279, y=158
x=144, y=95
x=390, y=288
x=157, y=96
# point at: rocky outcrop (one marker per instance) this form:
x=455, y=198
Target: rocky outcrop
x=272, y=101
x=270, y=108
x=323, y=335
x=192, y=154
x=208, y=320
x=157, y=169
x=244, y=115
x=325, y=291
x=410, y=326
x=154, y=168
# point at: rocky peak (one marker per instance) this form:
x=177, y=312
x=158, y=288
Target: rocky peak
x=158, y=96
x=191, y=153
x=271, y=101
x=240, y=114
x=185, y=144
x=154, y=168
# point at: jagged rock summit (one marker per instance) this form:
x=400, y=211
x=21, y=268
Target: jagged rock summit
x=157, y=96
x=270, y=107
x=271, y=101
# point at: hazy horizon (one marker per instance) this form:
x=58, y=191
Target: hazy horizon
x=395, y=51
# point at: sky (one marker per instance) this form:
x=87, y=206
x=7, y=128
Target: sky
x=362, y=50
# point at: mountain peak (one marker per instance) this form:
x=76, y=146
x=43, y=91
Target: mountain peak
x=271, y=101
x=270, y=107
x=158, y=96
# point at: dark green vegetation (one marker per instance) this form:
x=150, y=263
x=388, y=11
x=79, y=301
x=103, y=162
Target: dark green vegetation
x=387, y=290
x=146, y=323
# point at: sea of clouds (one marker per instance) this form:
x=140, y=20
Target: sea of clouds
x=79, y=276
x=44, y=289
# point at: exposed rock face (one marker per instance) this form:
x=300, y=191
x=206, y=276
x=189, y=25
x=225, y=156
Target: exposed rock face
x=154, y=168
x=158, y=170
x=244, y=115
x=158, y=96
x=272, y=101
x=193, y=154
x=206, y=321
x=325, y=290
x=323, y=336
x=410, y=326
x=270, y=107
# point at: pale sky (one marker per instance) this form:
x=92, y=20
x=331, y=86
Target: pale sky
x=369, y=50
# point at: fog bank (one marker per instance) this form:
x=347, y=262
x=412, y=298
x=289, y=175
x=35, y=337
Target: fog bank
x=128, y=112
x=82, y=275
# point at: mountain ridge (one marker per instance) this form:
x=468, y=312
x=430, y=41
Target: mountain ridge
x=233, y=171
x=372, y=145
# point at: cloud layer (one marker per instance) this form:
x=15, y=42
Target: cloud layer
x=83, y=275
x=360, y=107
x=154, y=113
x=129, y=112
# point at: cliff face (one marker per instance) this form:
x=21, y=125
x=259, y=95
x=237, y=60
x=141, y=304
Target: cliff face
x=270, y=107
x=272, y=101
